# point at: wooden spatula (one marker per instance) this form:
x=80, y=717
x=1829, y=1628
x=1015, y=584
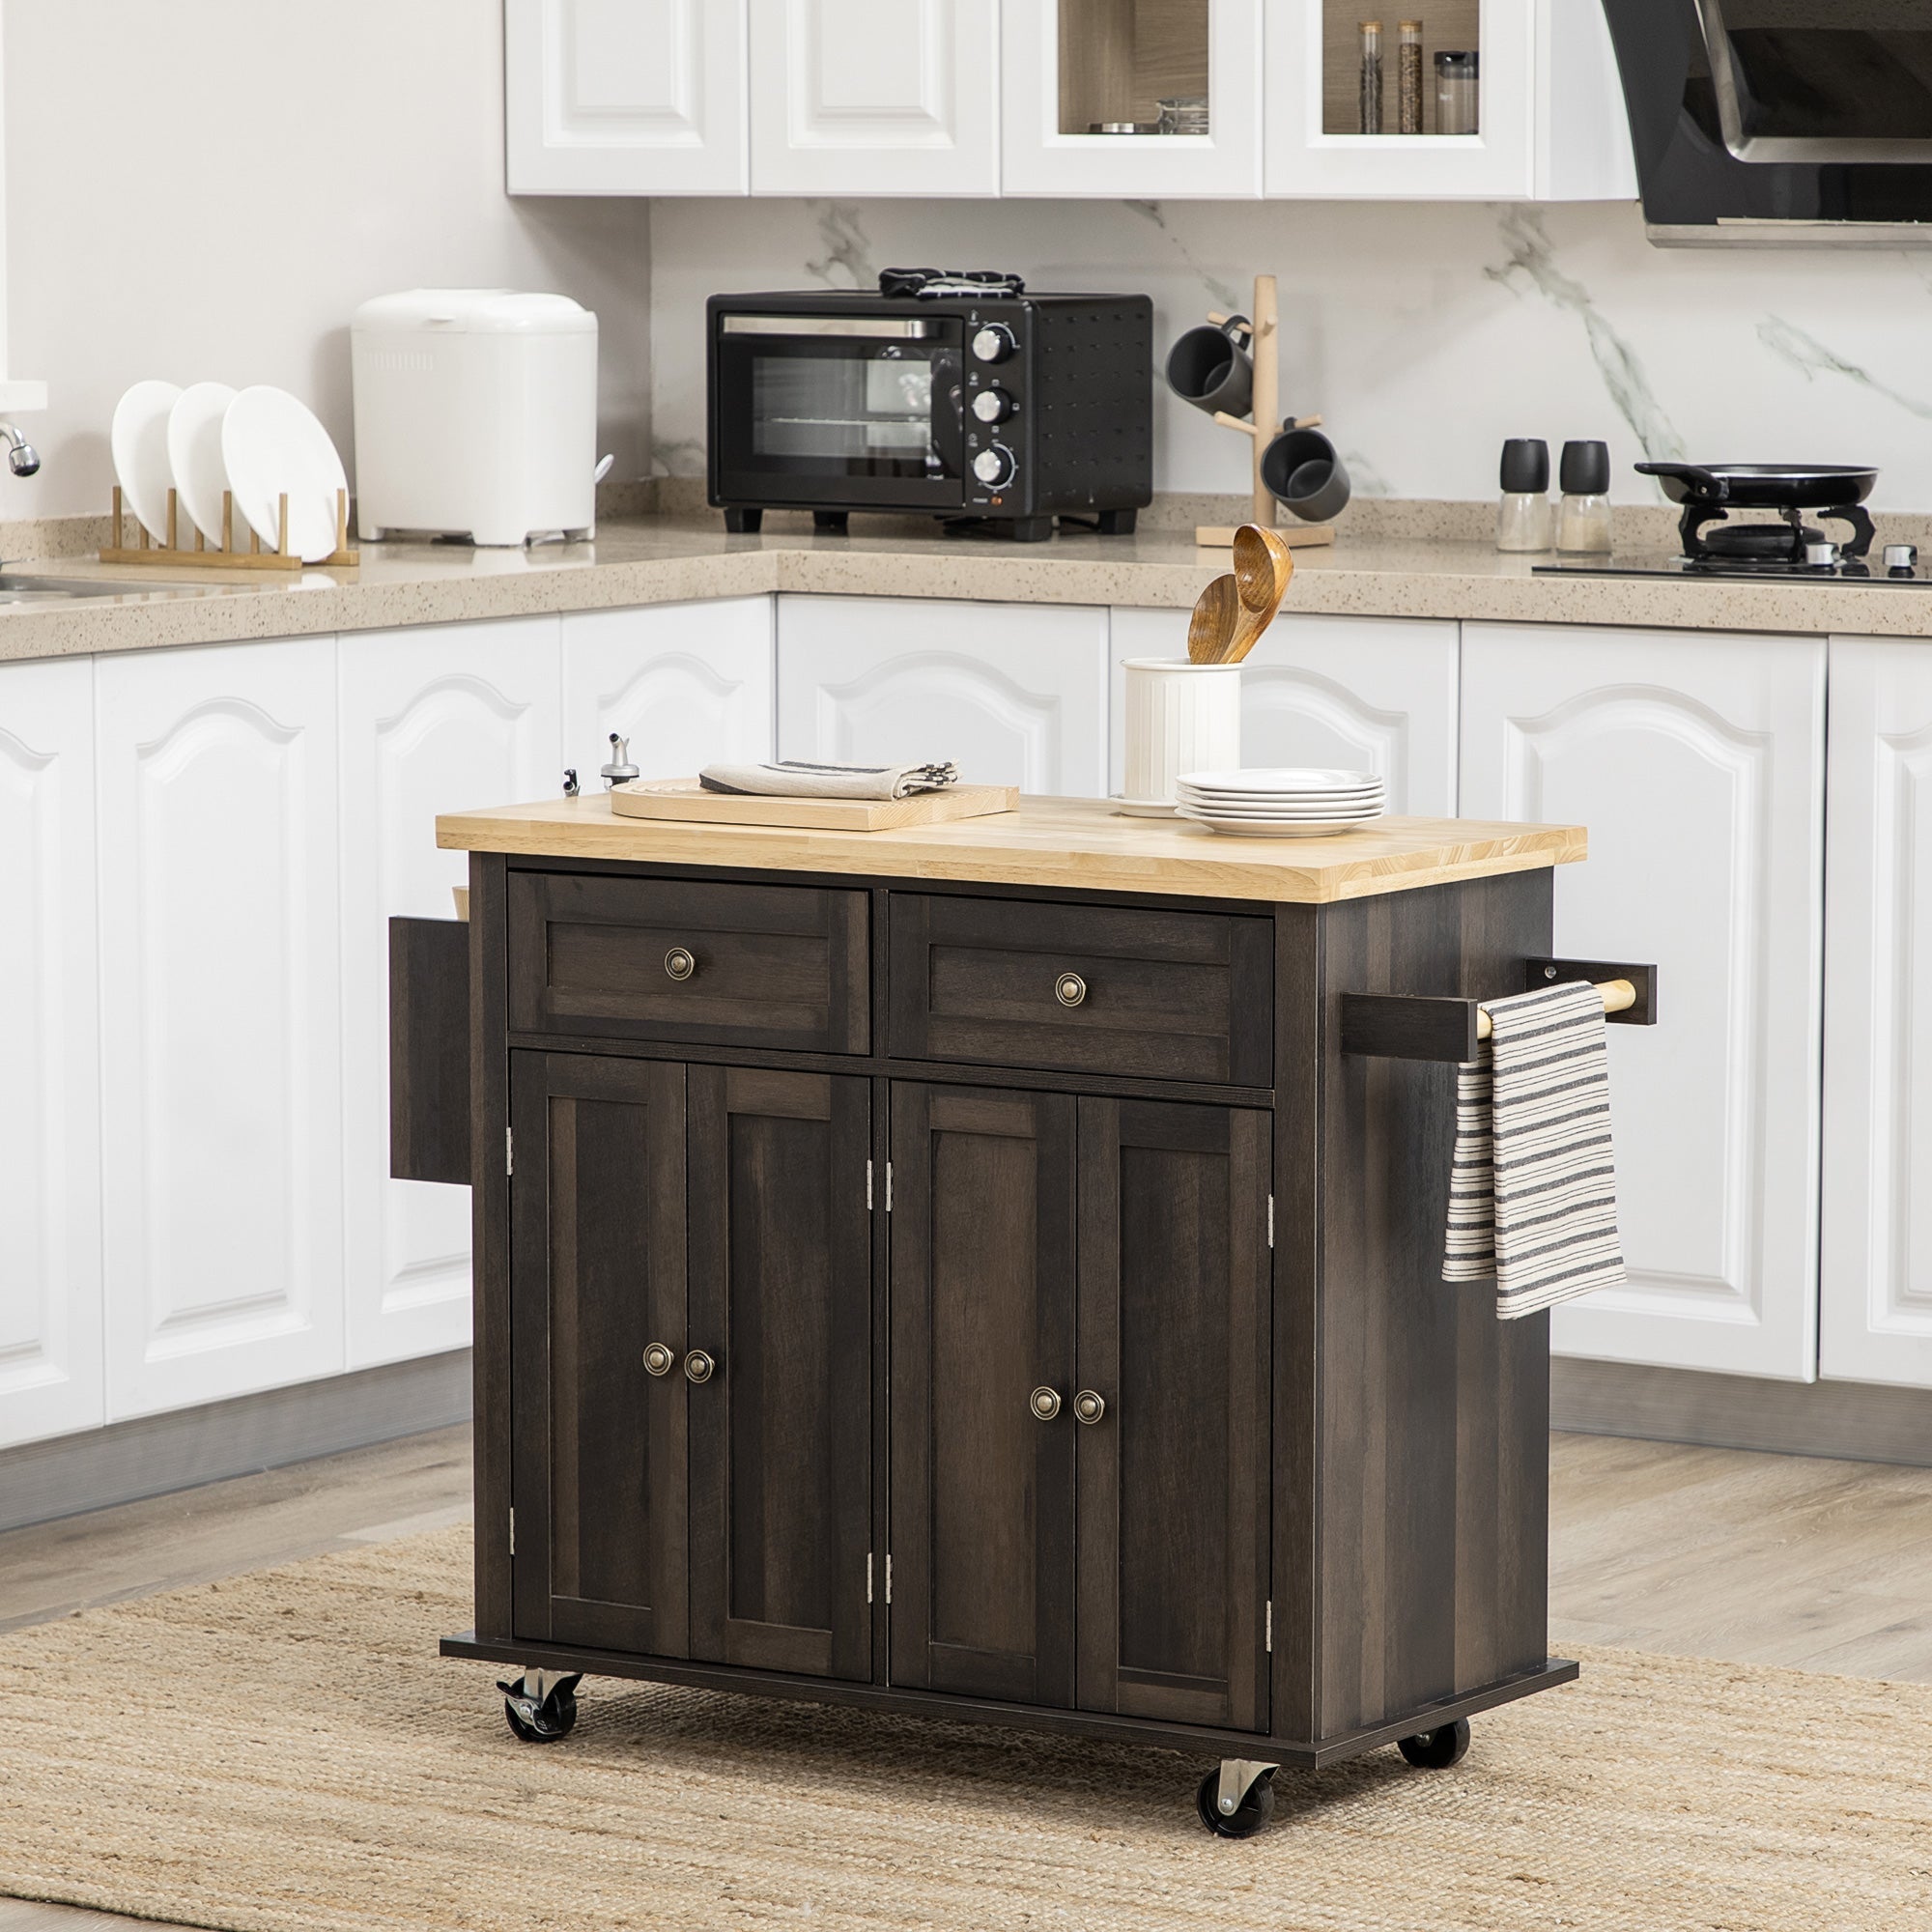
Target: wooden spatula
x=1216, y=619
x=1264, y=566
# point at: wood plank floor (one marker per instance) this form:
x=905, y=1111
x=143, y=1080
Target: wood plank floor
x=1703, y=1552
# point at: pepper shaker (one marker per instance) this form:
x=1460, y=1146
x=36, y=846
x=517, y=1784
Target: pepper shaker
x=1522, y=516
x=1371, y=76
x=1409, y=77
x=1583, y=518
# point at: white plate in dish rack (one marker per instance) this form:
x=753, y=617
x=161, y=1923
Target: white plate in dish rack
x=272, y=443
x=194, y=453
x=138, y=441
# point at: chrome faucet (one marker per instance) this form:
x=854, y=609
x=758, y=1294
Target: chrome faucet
x=22, y=457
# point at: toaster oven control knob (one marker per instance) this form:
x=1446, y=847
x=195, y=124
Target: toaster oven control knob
x=994, y=343
x=993, y=405
x=994, y=466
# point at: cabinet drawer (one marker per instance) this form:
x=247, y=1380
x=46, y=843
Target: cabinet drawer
x=767, y=965
x=1167, y=995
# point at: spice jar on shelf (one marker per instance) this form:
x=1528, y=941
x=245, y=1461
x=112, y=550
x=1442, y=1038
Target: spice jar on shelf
x=1371, y=77
x=1458, y=87
x=1409, y=77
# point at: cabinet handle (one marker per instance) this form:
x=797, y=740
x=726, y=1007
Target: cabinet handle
x=698, y=1366
x=1044, y=1402
x=1069, y=989
x=659, y=1360
x=1087, y=1407
x=679, y=962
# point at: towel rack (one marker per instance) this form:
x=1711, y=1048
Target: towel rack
x=1406, y=1026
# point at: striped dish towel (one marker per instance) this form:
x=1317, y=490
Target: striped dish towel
x=797, y=778
x=1533, y=1191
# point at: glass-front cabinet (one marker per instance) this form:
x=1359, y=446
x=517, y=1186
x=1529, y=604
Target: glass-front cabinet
x=1133, y=97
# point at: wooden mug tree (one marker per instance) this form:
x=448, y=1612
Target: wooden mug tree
x=1261, y=426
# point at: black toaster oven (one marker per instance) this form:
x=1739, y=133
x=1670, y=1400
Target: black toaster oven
x=1015, y=408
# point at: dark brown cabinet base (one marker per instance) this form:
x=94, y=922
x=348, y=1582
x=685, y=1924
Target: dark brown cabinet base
x=1112, y=1400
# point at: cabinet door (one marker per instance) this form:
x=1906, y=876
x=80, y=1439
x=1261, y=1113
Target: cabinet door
x=1697, y=762
x=1072, y=64
x=983, y=1318
x=1365, y=693
x=688, y=684
x=1173, y=1476
x=433, y=721
x=780, y=1431
x=1877, y=1277
x=849, y=98
x=597, y=1279
x=611, y=96
x=50, y=1316
x=1013, y=694
x=220, y=1021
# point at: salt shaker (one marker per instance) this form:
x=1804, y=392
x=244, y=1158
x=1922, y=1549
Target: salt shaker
x=1522, y=517
x=1583, y=518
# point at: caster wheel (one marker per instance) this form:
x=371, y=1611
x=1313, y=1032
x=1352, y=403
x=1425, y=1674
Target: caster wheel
x=1254, y=1809
x=1437, y=1749
x=541, y=1722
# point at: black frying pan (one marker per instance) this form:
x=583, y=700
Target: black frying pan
x=1763, y=486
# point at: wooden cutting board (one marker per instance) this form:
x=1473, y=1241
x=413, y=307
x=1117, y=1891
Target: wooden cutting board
x=687, y=799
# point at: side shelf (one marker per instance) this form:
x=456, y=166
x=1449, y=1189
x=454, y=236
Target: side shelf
x=429, y=1049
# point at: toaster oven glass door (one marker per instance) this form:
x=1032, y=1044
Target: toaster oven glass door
x=846, y=411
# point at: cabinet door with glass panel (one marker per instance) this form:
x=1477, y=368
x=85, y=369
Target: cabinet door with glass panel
x=1131, y=97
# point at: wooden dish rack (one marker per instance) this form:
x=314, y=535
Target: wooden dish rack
x=169, y=550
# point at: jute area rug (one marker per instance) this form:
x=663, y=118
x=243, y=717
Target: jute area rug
x=286, y=1750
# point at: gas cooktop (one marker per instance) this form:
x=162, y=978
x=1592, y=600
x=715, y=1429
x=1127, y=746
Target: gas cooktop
x=1824, y=563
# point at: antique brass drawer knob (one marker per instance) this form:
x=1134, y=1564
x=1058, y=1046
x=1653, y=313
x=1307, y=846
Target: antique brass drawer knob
x=1044, y=1403
x=1087, y=1407
x=698, y=1366
x=679, y=963
x=659, y=1360
x=1069, y=989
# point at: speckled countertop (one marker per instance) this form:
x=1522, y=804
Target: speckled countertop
x=655, y=560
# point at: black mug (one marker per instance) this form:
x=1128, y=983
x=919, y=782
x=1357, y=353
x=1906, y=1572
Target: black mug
x=1207, y=367
x=1303, y=473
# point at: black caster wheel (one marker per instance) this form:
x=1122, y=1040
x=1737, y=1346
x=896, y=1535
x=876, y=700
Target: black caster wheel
x=1253, y=1812
x=541, y=1722
x=1439, y=1749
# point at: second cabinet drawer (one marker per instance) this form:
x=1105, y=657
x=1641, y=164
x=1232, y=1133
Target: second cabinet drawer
x=683, y=959
x=1089, y=989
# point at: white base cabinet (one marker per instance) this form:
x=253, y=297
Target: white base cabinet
x=1013, y=694
x=222, y=1021
x=50, y=1309
x=1697, y=763
x=1876, y=1253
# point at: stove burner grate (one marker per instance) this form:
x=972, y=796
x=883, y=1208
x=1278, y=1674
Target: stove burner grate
x=1710, y=536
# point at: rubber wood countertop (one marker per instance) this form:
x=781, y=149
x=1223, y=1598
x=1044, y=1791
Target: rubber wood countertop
x=1067, y=843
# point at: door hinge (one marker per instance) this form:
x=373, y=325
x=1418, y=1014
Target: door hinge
x=1271, y=1220
x=513, y=1532
x=888, y=1209
x=1270, y=1624
x=868, y=1576
x=888, y=1576
x=868, y=1210
x=509, y=1149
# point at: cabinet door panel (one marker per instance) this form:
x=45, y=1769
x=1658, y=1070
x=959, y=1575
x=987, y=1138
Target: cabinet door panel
x=1698, y=765
x=50, y=1314
x=1174, y=1476
x=597, y=1275
x=781, y=1435
x=983, y=1315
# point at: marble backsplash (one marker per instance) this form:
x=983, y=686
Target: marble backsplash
x=1424, y=333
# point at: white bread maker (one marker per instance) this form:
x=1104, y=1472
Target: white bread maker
x=475, y=415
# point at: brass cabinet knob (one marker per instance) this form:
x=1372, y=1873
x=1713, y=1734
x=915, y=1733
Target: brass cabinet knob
x=698, y=1366
x=1069, y=989
x=1044, y=1402
x=1087, y=1407
x=679, y=962
x=659, y=1360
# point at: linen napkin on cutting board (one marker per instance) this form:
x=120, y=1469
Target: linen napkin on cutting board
x=1533, y=1187
x=796, y=778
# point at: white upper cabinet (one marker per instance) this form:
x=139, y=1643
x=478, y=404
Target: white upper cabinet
x=1549, y=116
x=220, y=1021
x=51, y=1310
x=1013, y=694
x=1697, y=763
x=625, y=96
x=1072, y=67
x=849, y=97
x=432, y=721
x=1877, y=1241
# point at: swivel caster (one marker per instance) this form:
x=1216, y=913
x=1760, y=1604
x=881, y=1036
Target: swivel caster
x=1237, y=1800
x=536, y=1716
x=1439, y=1749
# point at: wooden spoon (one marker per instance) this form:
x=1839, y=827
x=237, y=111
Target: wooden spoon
x=1217, y=615
x=1264, y=566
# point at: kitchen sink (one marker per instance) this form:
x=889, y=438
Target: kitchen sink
x=20, y=588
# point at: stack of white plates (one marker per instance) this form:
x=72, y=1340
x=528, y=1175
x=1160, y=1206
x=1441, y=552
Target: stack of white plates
x=1280, y=804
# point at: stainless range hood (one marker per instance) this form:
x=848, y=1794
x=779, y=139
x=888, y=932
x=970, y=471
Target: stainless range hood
x=1767, y=121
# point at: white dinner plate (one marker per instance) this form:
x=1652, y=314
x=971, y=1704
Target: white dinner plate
x=1254, y=828
x=271, y=443
x=138, y=441
x=1278, y=779
x=1282, y=817
x=194, y=454
x=1322, y=808
x=1249, y=792
x=1298, y=801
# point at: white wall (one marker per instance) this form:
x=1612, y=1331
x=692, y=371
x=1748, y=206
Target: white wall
x=208, y=189
x=1425, y=333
